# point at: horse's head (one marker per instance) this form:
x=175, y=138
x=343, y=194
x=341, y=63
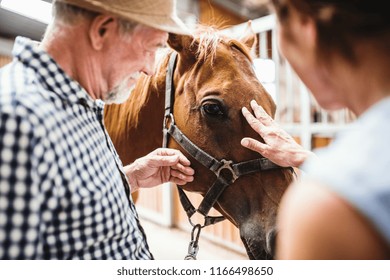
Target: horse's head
x=214, y=79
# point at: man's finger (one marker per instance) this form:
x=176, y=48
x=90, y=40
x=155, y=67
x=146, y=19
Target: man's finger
x=171, y=161
x=177, y=181
x=157, y=160
x=180, y=176
x=184, y=169
x=173, y=152
x=183, y=160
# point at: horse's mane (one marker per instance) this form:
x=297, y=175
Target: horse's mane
x=207, y=39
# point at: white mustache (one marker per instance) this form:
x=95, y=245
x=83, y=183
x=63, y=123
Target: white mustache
x=121, y=92
x=134, y=76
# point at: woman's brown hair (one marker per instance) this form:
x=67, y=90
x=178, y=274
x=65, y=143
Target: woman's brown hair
x=342, y=23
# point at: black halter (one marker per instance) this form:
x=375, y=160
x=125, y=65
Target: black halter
x=226, y=171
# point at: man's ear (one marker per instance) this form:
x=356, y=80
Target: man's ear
x=100, y=29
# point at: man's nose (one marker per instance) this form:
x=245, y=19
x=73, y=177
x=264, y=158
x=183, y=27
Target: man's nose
x=148, y=68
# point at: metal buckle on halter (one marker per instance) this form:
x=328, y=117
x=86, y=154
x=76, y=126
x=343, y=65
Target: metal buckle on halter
x=169, y=120
x=227, y=164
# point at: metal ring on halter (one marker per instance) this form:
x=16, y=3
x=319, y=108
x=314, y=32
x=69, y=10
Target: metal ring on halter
x=196, y=227
x=193, y=224
x=169, y=118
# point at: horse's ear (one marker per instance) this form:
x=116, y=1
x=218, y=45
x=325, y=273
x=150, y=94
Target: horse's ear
x=249, y=37
x=181, y=43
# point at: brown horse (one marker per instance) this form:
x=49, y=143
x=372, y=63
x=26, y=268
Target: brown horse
x=213, y=80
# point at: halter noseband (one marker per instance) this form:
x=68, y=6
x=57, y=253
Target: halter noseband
x=226, y=171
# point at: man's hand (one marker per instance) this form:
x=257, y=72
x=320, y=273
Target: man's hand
x=279, y=146
x=160, y=166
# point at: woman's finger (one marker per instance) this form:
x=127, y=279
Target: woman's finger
x=260, y=114
x=254, y=145
x=253, y=122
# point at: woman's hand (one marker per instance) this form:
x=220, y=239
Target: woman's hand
x=158, y=167
x=278, y=146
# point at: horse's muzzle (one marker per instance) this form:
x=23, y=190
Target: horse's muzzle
x=259, y=243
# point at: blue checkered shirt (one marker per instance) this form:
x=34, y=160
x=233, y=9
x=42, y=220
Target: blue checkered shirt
x=63, y=193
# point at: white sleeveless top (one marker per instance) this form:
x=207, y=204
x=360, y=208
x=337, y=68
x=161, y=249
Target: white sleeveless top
x=356, y=166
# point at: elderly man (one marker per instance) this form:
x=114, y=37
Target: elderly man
x=64, y=193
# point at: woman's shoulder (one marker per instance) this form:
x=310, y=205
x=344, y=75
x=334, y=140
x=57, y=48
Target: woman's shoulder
x=356, y=166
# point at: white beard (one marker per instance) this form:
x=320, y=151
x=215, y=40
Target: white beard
x=121, y=92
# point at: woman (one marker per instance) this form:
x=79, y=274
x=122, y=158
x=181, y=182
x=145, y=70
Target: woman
x=341, y=208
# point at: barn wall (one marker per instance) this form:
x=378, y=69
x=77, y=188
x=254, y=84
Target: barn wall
x=5, y=51
x=4, y=60
x=215, y=15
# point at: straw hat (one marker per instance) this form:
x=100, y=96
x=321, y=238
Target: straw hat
x=159, y=14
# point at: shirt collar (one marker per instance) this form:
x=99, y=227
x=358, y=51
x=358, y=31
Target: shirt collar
x=50, y=74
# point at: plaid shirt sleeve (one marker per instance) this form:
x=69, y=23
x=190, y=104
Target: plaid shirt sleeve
x=20, y=198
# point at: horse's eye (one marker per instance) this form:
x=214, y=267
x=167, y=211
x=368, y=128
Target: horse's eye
x=213, y=109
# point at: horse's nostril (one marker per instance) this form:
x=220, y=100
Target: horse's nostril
x=271, y=241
